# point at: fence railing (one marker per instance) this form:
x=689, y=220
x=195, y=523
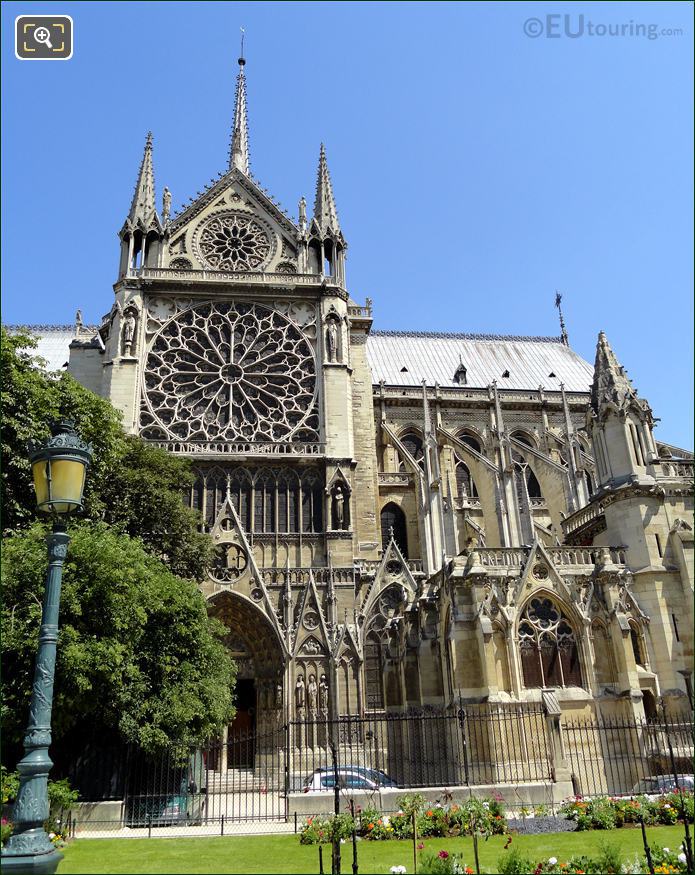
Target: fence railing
x=264, y=775
x=623, y=756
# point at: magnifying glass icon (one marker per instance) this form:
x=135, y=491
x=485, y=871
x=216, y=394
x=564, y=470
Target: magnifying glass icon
x=42, y=35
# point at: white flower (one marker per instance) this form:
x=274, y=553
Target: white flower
x=438, y=805
x=386, y=820
x=486, y=804
x=667, y=805
x=682, y=858
x=666, y=850
x=397, y=870
x=51, y=835
x=342, y=841
x=552, y=861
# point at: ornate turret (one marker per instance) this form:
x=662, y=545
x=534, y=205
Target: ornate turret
x=142, y=233
x=327, y=246
x=239, y=146
x=619, y=422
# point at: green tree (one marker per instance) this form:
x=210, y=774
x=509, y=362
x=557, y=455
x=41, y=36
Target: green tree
x=137, y=651
x=134, y=487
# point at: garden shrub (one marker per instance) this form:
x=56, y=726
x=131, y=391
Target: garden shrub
x=514, y=863
x=322, y=830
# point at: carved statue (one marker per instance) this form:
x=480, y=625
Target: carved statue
x=78, y=319
x=300, y=693
x=312, y=693
x=302, y=214
x=332, y=340
x=166, y=205
x=129, y=324
x=278, y=696
x=338, y=508
x=323, y=694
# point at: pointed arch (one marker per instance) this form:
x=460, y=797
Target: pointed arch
x=548, y=644
x=393, y=518
x=465, y=484
x=413, y=443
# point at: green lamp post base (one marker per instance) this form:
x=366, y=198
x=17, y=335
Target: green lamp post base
x=26, y=859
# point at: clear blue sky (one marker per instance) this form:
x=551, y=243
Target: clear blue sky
x=476, y=169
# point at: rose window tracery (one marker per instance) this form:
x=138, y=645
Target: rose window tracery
x=230, y=371
x=233, y=242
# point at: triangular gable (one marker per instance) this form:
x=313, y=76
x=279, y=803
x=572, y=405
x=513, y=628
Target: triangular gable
x=309, y=604
x=547, y=578
x=228, y=511
x=382, y=578
x=234, y=178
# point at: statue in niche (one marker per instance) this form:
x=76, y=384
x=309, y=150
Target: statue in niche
x=332, y=340
x=339, y=514
x=323, y=694
x=278, y=696
x=312, y=693
x=129, y=323
x=300, y=693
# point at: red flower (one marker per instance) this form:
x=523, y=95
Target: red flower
x=420, y=846
x=429, y=813
x=443, y=854
x=509, y=841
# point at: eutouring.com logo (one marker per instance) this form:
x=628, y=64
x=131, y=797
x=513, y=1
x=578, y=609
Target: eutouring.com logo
x=567, y=26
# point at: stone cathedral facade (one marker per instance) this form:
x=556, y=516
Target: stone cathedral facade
x=401, y=519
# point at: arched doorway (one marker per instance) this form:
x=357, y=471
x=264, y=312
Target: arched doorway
x=393, y=519
x=259, y=657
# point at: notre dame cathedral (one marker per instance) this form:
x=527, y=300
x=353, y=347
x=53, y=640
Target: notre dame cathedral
x=401, y=519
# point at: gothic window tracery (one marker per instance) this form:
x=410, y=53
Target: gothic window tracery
x=267, y=500
x=231, y=371
x=549, y=651
x=465, y=484
x=233, y=241
x=413, y=444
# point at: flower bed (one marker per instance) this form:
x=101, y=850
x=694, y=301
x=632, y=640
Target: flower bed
x=604, y=812
x=484, y=816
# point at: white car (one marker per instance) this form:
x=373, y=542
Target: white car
x=658, y=784
x=349, y=778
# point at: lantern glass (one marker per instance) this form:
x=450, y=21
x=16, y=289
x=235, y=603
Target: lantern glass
x=59, y=466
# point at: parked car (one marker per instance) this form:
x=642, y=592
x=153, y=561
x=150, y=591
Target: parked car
x=349, y=778
x=657, y=784
x=179, y=798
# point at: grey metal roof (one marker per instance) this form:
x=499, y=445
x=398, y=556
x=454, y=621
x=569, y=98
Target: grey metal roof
x=404, y=358
x=53, y=343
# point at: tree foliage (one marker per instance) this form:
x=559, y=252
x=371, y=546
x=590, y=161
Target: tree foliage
x=137, y=651
x=131, y=486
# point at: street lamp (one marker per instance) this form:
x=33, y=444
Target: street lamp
x=59, y=466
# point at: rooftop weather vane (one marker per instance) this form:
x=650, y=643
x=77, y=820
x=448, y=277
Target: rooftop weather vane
x=563, y=328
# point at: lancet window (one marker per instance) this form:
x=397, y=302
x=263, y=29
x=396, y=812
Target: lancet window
x=548, y=645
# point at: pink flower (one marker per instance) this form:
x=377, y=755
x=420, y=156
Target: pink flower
x=443, y=854
x=420, y=846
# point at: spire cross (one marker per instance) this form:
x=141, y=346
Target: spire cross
x=241, y=53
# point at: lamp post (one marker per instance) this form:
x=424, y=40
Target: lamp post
x=59, y=466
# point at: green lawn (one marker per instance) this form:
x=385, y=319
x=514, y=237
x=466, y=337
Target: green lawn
x=283, y=853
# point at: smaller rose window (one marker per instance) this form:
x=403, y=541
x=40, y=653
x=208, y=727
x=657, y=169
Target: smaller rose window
x=233, y=242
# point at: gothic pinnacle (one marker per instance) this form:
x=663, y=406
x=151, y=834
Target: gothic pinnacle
x=611, y=383
x=143, y=205
x=325, y=212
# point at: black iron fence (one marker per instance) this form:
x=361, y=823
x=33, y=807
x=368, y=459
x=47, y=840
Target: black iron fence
x=265, y=776
x=623, y=755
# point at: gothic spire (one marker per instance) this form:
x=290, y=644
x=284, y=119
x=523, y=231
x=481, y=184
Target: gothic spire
x=239, y=148
x=143, y=206
x=611, y=384
x=325, y=212
x=563, y=329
